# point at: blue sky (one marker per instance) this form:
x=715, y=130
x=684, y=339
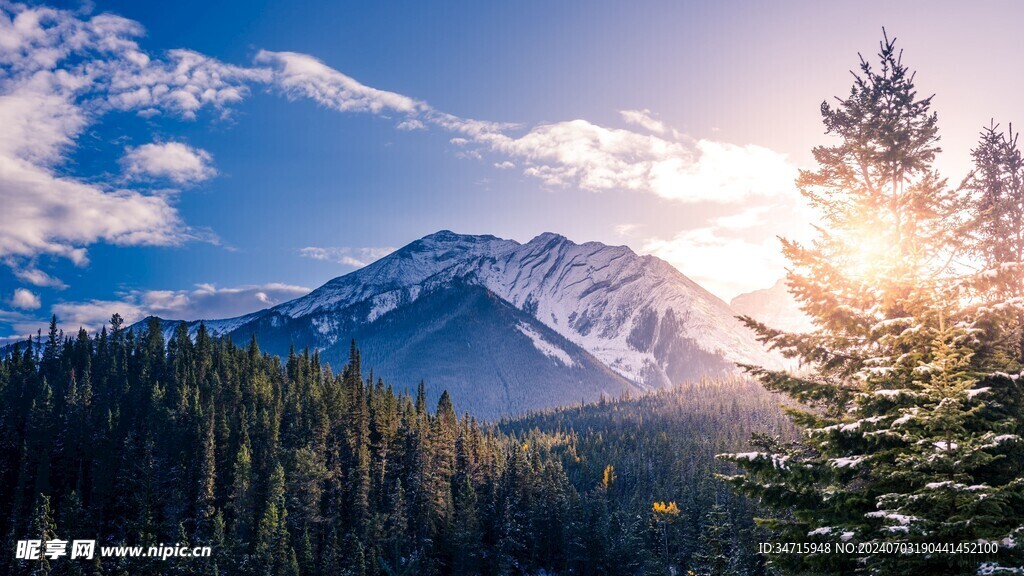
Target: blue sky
x=206, y=159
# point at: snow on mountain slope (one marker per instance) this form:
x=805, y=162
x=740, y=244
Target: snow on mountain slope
x=547, y=348
x=390, y=277
x=493, y=357
x=637, y=314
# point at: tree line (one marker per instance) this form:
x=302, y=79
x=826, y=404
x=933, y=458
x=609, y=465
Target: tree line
x=286, y=468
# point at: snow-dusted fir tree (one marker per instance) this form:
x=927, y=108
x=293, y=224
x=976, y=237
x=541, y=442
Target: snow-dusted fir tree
x=994, y=235
x=900, y=444
x=714, y=555
x=995, y=191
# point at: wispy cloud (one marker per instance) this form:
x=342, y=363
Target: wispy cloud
x=207, y=301
x=355, y=257
x=301, y=75
x=724, y=265
x=46, y=213
x=60, y=71
x=581, y=154
x=644, y=119
x=24, y=325
x=745, y=219
x=92, y=315
x=574, y=153
x=410, y=125
x=37, y=277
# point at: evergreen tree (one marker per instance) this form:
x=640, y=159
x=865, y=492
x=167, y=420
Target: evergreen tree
x=899, y=445
x=396, y=557
x=714, y=548
x=995, y=192
x=206, y=490
x=241, y=502
x=43, y=529
x=467, y=536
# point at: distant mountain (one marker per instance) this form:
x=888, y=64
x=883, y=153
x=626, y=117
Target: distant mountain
x=512, y=326
x=773, y=306
x=7, y=349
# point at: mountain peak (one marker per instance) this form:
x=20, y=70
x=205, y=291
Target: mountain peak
x=442, y=235
x=447, y=236
x=548, y=237
x=638, y=316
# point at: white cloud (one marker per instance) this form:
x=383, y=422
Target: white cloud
x=24, y=325
x=478, y=130
x=301, y=75
x=174, y=161
x=204, y=302
x=355, y=257
x=45, y=213
x=6, y=340
x=59, y=71
x=181, y=84
x=581, y=154
x=37, y=277
x=207, y=301
x=739, y=252
x=644, y=119
x=94, y=314
x=574, y=153
x=25, y=299
x=410, y=124
x=724, y=265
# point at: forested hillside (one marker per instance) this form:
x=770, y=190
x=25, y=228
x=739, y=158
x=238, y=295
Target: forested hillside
x=630, y=454
x=286, y=468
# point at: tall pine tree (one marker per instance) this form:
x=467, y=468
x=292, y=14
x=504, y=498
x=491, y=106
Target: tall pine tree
x=899, y=446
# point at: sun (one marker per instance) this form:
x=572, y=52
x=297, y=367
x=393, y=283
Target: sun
x=868, y=254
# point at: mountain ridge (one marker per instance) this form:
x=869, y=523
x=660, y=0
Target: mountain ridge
x=636, y=315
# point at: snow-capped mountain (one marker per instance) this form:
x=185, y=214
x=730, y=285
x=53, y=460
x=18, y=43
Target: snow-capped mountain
x=591, y=310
